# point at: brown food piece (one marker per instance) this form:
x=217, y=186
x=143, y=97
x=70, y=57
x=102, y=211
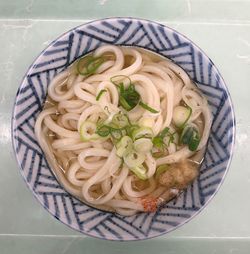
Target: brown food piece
x=167, y=179
x=179, y=175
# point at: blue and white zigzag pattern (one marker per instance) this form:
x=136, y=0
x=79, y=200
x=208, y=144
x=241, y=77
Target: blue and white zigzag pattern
x=30, y=99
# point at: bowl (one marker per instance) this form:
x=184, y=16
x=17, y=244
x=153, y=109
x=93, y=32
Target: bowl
x=31, y=96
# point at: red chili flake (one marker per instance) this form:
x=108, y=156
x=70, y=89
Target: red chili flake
x=149, y=204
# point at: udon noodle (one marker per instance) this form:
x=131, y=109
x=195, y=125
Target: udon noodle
x=123, y=129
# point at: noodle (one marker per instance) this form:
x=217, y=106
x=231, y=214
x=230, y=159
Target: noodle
x=85, y=148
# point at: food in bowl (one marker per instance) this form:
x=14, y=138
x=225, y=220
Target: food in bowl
x=124, y=129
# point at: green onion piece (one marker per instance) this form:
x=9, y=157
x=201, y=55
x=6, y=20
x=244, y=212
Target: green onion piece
x=124, y=146
x=140, y=172
x=124, y=103
x=158, y=140
x=121, y=88
x=100, y=94
x=181, y=116
x=88, y=131
x=190, y=136
x=94, y=65
x=81, y=64
x=103, y=130
x=145, y=106
x=115, y=133
x=161, y=169
x=164, y=132
x=143, y=145
x=186, y=135
x=88, y=65
x=142, y=132
x=169, y=138
x=193, y=145
x=118, y=78
x=131, y=128
x=128, y=97
x=195, y=141
x=134, y=159
x=120, y=120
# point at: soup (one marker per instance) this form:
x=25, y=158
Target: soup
x=124, y=129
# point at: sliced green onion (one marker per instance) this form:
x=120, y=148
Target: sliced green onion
x=169, y=139
x=131, y=128
x=103, y=130
x=134, y=159
x=88, y=131
x=121, y=88
x=190, y=136
x=142, y=132
x=94, y=64
x=181, y=116
x=119, y=77
x=120, y=120
x=158, y=140
x=124, y=146
x=124, y=103
x=115, y=133
x=88, y=65
x=81, y=64
x=124, y=132
x=145, y=106
x=100, y=94
x=161, y=169
x=195, y=141
x=140, y=172
x=164, y=132
x=143, y=145
x=186, y=135
x=128, y=97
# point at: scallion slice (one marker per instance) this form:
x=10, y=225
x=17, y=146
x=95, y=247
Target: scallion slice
x=123, y=102
x=88, y=65
x=140, y=172
x=116, y=133
x=181, y=116
x=116, y=80
x=148, y=108
x=131, y=128
x=124, y=146
x=128, y=97
x=142, y=132
x=143, y=145
x=103, y=130
x=190, y=136
x=158, y=140
x=100, y=94
x=121, y=120
x=134, y=159
x=88, y=131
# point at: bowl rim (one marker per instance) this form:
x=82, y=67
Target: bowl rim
x=230, y=103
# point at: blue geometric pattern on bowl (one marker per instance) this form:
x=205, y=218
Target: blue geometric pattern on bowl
x=30, y=99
